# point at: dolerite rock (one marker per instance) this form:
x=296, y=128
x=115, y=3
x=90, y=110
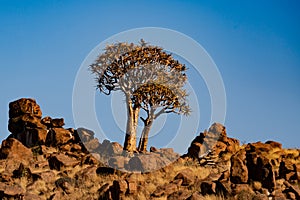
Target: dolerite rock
x=59, y=136
x=216, y=140
x=53, y=123
x=13, y=149
x=59, y=161
x=24, y=106
x=186, y=175
x=239, y=170
x=85, y=134
x=259, y=167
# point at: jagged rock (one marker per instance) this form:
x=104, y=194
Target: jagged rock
x=118, y=162
x=19, y=124
x=47, y=176
x=24, y=106
x=187, y=177
x=13, y=149
x=118, y=189
x=58, y=136
x=66, y=184
x=114, y=149
x=93, y=145
x=259, y=167
x=10, y=190
x=243, y=189
x=153, y=149
x=30, y=196
x=239, y=170
x=293, y=189
x=53, y=123
x=104, y=192
x=86, y=174
x=85, y=134
x=132, y=187
x=105, y=170
x=287, y=170
x=167, y=189
x=59, y=161
x=274, y=144
x=146, y=162
x=32, y=137
x=208, y=187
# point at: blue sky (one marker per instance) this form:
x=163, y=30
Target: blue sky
x=255, y=45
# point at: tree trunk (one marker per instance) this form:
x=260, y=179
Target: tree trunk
x=132, y=122
x=144, y=137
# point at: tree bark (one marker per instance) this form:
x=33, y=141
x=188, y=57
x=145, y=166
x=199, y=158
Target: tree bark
x=144, y=137
x=132, y=122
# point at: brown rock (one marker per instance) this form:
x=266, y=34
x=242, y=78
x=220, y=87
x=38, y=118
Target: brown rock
x=66, y=184
x=24, y=106
x=32, y=137
x=243, y=188
x=146, y=162
x=59, y=161
x=11, y=190
x=30, y=196
x=208, y=187
x=293, y=189
x=58, y=136
x=132, y=187
x=274, y=144
x=165, y=190
x=58, y=122
x=238, y=170
x=186, y=175
x=104, y=192
x=118, y=162
x=153, y=149
x=13, y=149
x=47, y=176
x=93, y=145
x=114, y=149
x=85, y=134
x=119, y=189
x=21, y=123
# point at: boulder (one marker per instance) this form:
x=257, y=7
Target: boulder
x=24, y=106
x=208, y=187
x=12, y=148
x=53, y=123
x=93, y=145
x=238, y=170
x=85, y=134
x=32, y=137
x=59, y=161
x=274, y=144
x=118, y=189
x=114, y=149
x=58, y=136
x=21, y=123
x=186, y=175
x=8, y=191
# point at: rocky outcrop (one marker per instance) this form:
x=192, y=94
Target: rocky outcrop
x=43, y=160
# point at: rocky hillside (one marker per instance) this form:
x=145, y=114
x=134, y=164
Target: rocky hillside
x=43, y=160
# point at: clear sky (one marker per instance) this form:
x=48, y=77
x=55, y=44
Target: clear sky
x=255, y=44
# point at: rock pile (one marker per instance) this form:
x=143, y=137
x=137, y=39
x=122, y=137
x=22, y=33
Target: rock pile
x=43, y=160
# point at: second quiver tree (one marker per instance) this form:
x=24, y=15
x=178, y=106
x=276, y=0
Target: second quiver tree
x=131, y=69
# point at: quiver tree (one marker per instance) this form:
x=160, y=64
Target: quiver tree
x=125, y=67
x=156, y=99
